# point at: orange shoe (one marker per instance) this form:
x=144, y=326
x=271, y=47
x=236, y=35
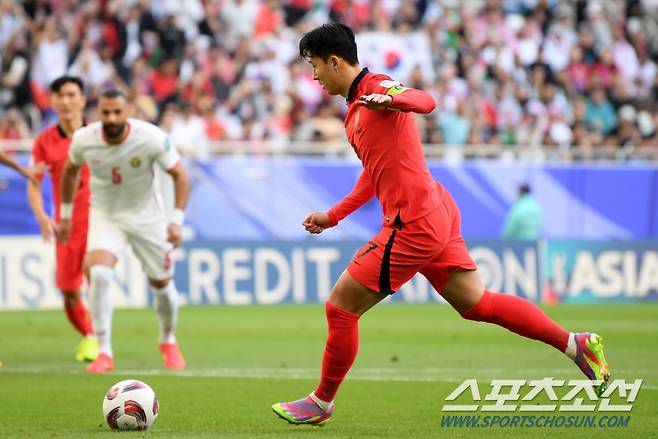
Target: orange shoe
x=172, y=357
x=102, y=364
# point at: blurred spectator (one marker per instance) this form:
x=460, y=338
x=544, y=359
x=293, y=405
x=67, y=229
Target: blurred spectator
x=15, y=74
x=525, y=72
x=629, y=135
x=172, y=39
x=188, y=131
x=52, y=53
x=523, y=220
x=11, y=21
x=600, y=114
x=455, y=123
x=239, y=18
x=13, y=126
x=164, y=81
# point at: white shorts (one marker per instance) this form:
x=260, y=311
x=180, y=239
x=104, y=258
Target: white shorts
x=146, y=235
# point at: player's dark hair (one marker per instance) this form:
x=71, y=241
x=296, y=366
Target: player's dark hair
x=113, y=93
x=330, y=39
x=58, y=83
x=524, y=189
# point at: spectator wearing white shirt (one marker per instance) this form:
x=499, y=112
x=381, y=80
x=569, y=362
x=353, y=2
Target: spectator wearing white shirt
x=52, y=53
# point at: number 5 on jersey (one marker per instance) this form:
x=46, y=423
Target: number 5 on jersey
x=116, y=175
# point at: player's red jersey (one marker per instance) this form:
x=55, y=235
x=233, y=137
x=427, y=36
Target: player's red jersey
x=388, y=144
x=52, y=148
x=422, y=226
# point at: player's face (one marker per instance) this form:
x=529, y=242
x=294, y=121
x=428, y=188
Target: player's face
x=324, y=74
x=68, y=102
x=113, y=113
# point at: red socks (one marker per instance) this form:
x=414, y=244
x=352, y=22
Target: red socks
x=79, y=317
x=339, y=352
x=520, y=316
x=514, y=313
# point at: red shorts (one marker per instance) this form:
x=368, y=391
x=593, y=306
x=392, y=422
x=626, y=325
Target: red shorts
x=70, y=256
x=432, y=246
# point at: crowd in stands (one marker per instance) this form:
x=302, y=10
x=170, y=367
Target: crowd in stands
x=504, y=72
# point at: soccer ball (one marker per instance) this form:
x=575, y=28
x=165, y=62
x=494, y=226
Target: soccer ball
x=130, y=405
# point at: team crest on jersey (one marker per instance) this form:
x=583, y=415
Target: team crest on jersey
x=135, y=162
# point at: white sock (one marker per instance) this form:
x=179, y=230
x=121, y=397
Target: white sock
x=166, y=304
x=571, y=349
x=324, y=405
x=100, y=306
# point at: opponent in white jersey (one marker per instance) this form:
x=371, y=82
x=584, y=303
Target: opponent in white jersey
x=122, y=177
x=125, y=209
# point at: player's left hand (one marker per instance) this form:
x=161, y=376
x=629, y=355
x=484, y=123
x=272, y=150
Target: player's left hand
x=375, y=101
x=174, y=234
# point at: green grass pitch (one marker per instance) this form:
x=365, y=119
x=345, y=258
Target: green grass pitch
x=243, y=359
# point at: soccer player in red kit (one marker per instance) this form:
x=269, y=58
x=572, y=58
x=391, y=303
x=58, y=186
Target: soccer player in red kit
x=51, y=148
x=421, y=231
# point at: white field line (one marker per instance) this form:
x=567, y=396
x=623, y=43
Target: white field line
x=448, y=375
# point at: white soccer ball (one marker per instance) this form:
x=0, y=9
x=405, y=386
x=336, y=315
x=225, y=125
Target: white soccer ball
x=130, y=405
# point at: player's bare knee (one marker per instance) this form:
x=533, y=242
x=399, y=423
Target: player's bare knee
x=463, y=290
x=99, y=258
x=155, y=283
x=350, y=295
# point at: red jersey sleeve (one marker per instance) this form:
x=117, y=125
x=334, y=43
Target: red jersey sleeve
x=411, y=99
x=362, y=192
x=38, y=154
x=404, y=98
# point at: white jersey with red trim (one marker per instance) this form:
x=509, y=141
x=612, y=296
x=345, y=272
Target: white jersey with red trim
x=122, y=175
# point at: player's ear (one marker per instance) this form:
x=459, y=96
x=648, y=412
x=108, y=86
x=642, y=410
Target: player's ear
x=334, y=61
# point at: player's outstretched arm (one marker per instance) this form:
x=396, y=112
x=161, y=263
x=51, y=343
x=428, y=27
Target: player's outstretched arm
x=7, y=161
x=181, y=194
x=31, y=173
x=400, y=98
x=66, y=189
x=362, y=192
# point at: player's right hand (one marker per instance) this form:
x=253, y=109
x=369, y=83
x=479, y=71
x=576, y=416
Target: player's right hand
x=64, y=230
x=174, y=234
x=48, y=228
x=316, y=222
